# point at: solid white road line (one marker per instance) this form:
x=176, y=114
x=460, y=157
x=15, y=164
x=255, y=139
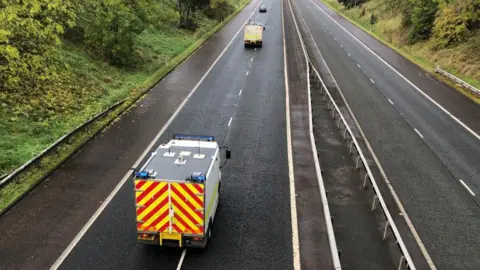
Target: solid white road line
x=127, y=176
x=229, y=122
x=401, y=75
x=291, y=176
x=465, y=185
x=390, y=101
x=418, y=132
x=179, y=266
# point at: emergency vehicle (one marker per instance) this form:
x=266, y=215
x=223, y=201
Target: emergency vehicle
x=177, y=192
x=253, y=34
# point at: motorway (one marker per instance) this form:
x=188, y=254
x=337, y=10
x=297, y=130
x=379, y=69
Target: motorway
x=423, y=151
x=239, y=96
x=240, y=99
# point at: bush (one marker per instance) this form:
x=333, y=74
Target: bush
x=373, y=19
x=351, y=3
x=450, y=28
x=407, y=14
x=456, y=22
x=362, y=13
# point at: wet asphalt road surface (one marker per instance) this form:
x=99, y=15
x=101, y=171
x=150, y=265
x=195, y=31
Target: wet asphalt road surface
x=357, y=231
x=424, y=172
x=252, y=229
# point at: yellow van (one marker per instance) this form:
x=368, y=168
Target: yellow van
x=253, y=35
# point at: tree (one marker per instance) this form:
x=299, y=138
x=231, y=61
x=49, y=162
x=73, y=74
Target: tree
x=109, y=27
x=30, y=34
x=188, y=7
x=422, y=19
x=218, y=9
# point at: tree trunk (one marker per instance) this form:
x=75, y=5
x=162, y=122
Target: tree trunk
x=186, y=18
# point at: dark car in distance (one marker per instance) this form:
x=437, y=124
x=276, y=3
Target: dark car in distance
x=263, y=9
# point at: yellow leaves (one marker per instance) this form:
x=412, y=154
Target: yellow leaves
x=4, y=34
x=29, y=36
x=59, y=28
x=11, y=52
x=453, y=22
x=33, y=7
x=29, y=71
x=6, y=50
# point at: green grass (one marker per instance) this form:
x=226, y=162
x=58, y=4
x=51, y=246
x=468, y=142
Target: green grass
x=463, y=60
x=161, y=51
x=31, y=177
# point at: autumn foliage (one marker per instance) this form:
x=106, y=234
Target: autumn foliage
x=456, y=22
x=36, y=83
x=30, y=32
x=448, y=21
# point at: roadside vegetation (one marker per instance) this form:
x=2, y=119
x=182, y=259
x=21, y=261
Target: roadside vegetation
x=444, y=33
x=62, y=61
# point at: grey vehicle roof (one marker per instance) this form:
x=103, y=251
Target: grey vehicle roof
x=166, y=168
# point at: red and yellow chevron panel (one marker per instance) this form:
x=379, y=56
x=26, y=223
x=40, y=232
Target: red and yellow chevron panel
x=153, y=206
x=188, y=205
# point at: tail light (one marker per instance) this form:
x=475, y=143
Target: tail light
x=146, y=236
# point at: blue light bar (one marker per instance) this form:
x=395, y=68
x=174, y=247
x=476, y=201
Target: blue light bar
x=193, y=137
x=142, y=175
x=198, y=177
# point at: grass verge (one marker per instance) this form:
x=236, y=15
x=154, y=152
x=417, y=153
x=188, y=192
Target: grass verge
x=32, y=176
x=418, y=54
